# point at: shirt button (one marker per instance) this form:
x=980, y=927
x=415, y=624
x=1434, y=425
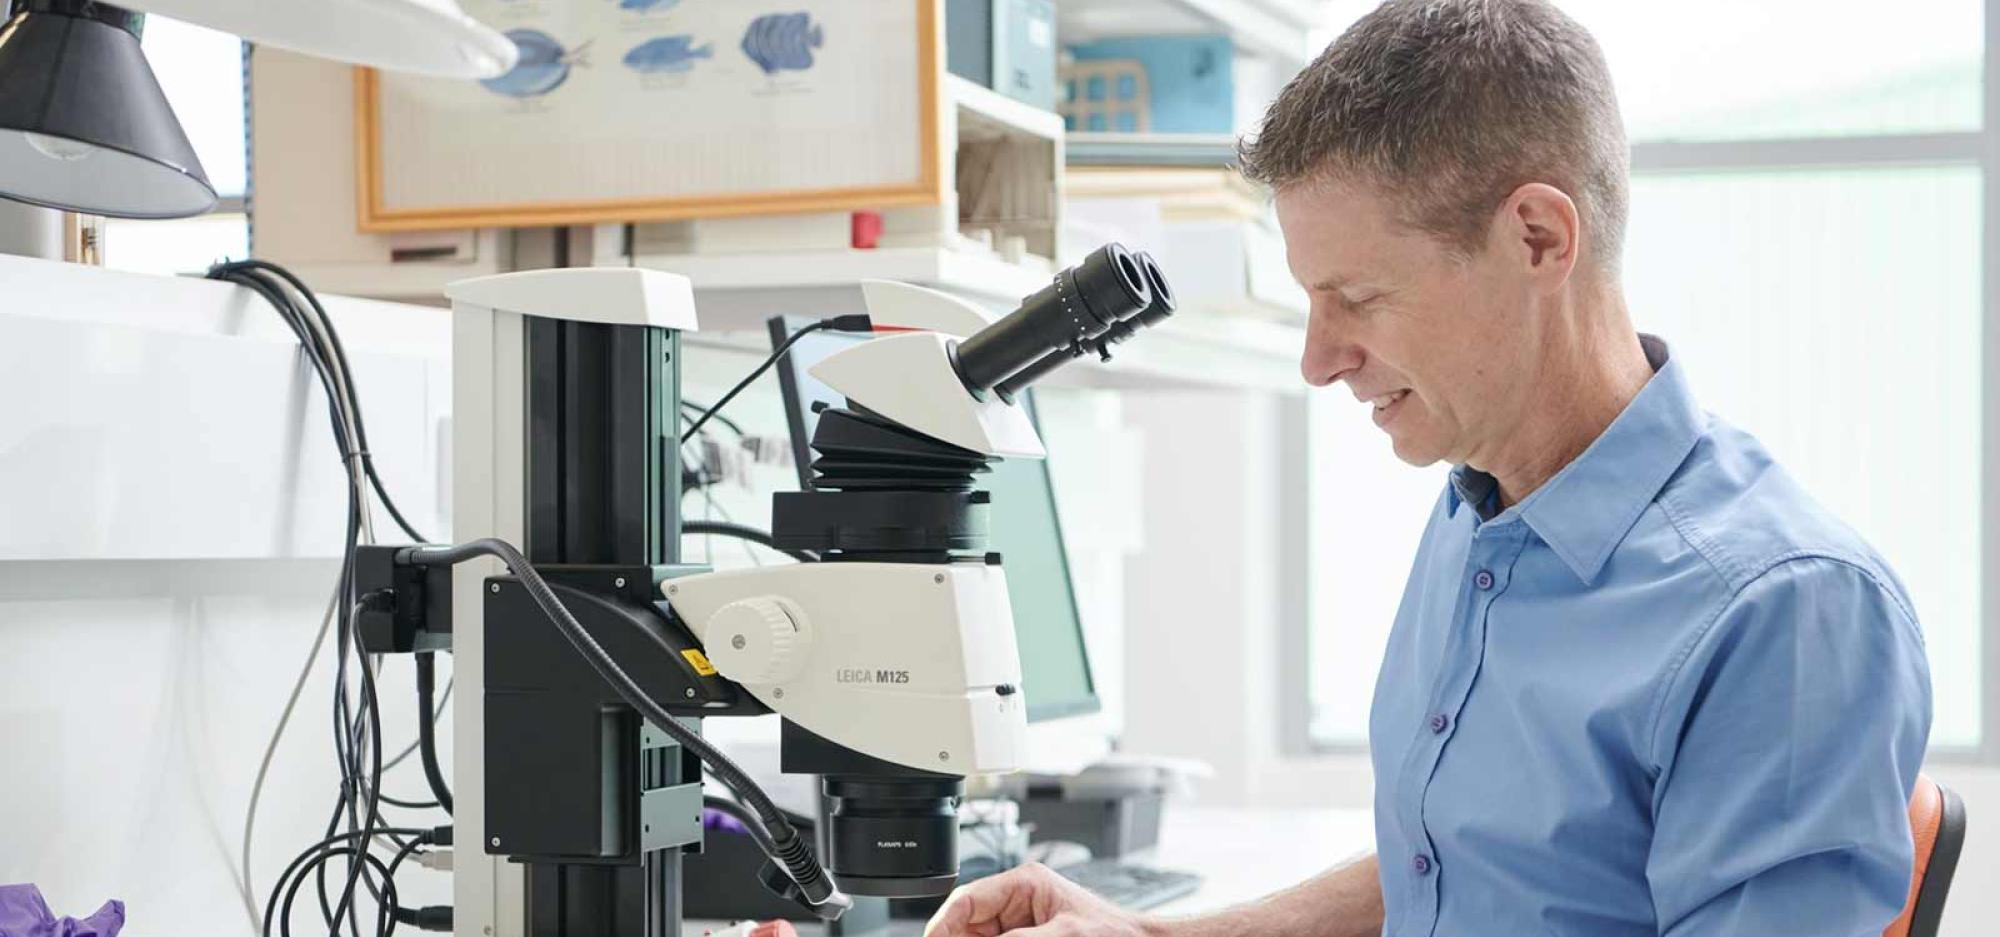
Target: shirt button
x=1484, y=580
x=1422, y=864
x=1440, y=722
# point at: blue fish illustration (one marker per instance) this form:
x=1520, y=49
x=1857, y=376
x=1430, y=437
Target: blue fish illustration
x=543, y=66
x=667, y=54
x=649, y=6
x=782, y=41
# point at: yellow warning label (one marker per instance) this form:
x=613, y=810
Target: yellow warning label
x=700, y=661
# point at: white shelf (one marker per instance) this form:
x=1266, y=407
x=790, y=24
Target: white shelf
x=1121, y=151
x=985, y=110
x=1273, y=29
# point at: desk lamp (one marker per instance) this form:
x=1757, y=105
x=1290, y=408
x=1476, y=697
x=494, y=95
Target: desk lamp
x=85, y=127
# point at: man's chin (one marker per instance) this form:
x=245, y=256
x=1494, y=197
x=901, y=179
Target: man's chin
x=1414, y=452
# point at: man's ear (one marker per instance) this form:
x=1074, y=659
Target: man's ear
x=1539, y=228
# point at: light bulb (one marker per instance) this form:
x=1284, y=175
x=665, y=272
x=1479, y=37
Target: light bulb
x=59, y=148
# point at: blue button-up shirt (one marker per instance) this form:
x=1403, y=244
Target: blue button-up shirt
x=1666, y=693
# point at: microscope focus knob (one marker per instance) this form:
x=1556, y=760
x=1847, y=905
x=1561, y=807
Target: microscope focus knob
x=758, y=641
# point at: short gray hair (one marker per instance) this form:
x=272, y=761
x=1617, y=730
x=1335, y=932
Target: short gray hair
x=1450, y=105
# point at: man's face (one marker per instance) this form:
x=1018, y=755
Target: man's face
x=1430, y=341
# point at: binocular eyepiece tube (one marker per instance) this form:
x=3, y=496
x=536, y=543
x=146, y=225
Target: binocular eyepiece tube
x=1113, y=292
x=1155, y=313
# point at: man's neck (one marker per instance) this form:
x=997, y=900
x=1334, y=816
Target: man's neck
x=1591, y=368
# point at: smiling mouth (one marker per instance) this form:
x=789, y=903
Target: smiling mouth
x=1386, y=406
x=1386, y=401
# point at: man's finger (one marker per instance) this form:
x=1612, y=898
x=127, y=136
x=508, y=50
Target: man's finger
x=1054, y=928
x=951, y=917
x=985, y=908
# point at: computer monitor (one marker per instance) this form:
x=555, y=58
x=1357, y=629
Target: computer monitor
x=1023, y=528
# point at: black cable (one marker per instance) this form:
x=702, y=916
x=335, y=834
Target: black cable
x=358, y=858
x=411, y=804
x=293, y=317
x=436, y=918
x=789, y=850
x=699, y=408
x=385, y=922
x=848, y=323
x=321, y=369
x=426, y=731
x=388, y=503
x=753, y=376
x=350, y=726
x=246, y=271
x=322, y=359
x=308, y=854
x=443, y=704
x=372, y=707
x=324, y=368
x=740, y=532
x=361, y=774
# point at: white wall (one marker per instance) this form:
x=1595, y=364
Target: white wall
x=135, y=700
x=170, y=511
x=1202, y=596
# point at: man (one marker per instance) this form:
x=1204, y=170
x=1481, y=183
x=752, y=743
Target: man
x=1639, y=683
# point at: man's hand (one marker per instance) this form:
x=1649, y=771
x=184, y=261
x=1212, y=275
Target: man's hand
x=1031, y=901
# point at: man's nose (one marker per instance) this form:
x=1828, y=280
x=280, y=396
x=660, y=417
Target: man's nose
x=1329, y=356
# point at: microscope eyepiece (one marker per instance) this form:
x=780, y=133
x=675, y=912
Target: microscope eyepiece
x=1155, y=311
x=1162, y=305
x=1082, y=303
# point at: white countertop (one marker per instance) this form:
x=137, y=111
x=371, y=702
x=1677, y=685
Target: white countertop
x=1242, y=853
x=1245, y=853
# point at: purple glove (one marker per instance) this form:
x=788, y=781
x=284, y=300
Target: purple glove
x=23, y=913
x=710, y=820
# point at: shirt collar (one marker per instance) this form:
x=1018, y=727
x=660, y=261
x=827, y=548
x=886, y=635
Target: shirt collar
x=1586, y=510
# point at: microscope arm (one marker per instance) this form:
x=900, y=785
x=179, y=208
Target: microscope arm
x=906, y=662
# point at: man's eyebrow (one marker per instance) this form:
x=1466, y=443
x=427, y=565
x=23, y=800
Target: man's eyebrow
x=1330, y=284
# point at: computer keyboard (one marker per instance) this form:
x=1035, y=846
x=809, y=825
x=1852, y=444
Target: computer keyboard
x=1130, y=886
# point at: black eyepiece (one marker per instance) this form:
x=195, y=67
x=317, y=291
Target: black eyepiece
x=1155, y=311
x=1082, y=303
x=1162, y=305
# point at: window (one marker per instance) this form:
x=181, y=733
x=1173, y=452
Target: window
x=1724, y=69
x=1808, y=200
x=1835, y=315
x=1368, y=510
x=201, y=71
x=1729, y=70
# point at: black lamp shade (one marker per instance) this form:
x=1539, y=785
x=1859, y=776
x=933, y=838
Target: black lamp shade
x=83, y=124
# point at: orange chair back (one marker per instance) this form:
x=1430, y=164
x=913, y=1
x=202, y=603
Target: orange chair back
x=1937, y=824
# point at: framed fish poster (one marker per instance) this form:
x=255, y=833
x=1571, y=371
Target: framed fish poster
x=648, y=110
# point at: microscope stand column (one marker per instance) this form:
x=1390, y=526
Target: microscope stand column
x=566, y=411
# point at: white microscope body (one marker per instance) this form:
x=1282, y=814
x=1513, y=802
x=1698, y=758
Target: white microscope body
x=913, y=663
